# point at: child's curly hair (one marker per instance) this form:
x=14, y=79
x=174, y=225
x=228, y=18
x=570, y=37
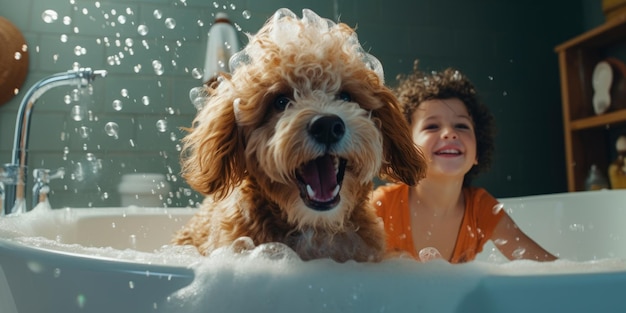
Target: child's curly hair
x=415, y=88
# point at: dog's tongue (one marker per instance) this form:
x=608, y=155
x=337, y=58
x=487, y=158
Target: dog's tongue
x=320, y=175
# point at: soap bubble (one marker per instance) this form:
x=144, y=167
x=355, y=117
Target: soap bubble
x=246, y=14
x=142, y=30
x=145, y=100
x=158, y=67
x=170, y=23
x=111, y=129
x=18, y=55
x=161, y=126
x=429, y=254
x=117, y=105
x=157, y=14
x=49, y=16
x=77, y=113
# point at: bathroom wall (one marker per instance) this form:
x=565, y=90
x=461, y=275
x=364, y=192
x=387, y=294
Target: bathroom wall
x=505, y=47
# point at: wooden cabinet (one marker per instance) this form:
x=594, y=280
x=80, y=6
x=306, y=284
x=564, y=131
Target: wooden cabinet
x=588, y=137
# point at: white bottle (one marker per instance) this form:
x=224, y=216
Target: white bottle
x=221, y=45
x=596, y=180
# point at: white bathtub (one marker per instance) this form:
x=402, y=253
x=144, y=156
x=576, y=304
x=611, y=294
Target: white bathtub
x=111, y=260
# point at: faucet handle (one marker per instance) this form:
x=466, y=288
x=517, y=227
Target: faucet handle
x=45, y=175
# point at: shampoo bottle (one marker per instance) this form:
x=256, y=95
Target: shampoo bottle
x=617, y=169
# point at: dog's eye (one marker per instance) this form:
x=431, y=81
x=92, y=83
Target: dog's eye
x=281, y=102
x=344, y=96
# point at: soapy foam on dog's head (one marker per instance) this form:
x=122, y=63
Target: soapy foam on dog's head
x=285, y=28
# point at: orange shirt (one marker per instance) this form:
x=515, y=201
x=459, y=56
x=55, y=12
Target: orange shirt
x=479, y=221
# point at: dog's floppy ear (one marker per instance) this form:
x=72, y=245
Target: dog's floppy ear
x=212, y=156
x=403, y=160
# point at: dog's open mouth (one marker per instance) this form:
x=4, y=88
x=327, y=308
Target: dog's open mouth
x=320, y=181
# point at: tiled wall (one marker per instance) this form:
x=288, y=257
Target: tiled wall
x=506, y=47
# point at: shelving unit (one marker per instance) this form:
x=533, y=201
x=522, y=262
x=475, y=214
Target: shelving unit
x=587, y=139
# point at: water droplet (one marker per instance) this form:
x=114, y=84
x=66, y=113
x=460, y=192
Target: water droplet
x=500, y=241
x=18, y=55
x=145, y=100
x=57, y=272
x=77, y=113
x=78, y=50
x=84, y=131
x=121, y=19
x=157, y=14
x=81, y=300
x=518, y=253
x=129, y=42
x=117, y=105
x=170, y=23
x=497, y=208
x=131, y=284
x=64, y=38
x=246, y=14
x=196, y=73
x=67, y=20
x=49, y=16
x=161, y=125
x=158, y=67
x=124, y=92
x=111, y=129
x=577, y=227
x=142, y=30
x=200, y=23
x=132, y=240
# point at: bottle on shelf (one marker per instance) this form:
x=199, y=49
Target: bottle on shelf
x=617, y=169
x=596, y=180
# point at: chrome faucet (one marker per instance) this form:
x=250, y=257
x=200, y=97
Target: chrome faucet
x=12, y=176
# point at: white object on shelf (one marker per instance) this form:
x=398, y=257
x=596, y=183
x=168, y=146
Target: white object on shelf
x=143, y=189
x=602, y=80
x=221, y=45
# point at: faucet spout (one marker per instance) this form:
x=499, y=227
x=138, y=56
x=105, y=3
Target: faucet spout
x=14, y=185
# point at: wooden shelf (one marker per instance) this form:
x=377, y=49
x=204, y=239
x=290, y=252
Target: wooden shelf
x=599, y=120
x=587, y=135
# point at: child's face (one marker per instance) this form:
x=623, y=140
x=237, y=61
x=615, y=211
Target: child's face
x=444, y=131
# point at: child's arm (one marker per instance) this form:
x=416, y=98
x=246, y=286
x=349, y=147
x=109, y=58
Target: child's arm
x=515, y=244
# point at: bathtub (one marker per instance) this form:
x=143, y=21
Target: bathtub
x=118, y=260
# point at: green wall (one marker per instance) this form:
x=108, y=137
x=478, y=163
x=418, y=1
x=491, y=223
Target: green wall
x=505, y=47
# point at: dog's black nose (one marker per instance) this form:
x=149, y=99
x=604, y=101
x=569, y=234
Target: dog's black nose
x=327, y=129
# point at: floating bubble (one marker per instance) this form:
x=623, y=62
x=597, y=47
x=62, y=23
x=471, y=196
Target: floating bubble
x=18, y=55
x=67, y=20
x=77, y=113
x=200, y=23
x=117, y=105
x=246, y=14
x=142, y=30
x=196, y=73
x=64, y=38
x=78, y=50
x=111, y=129
x=49, y=16
x=121, y=19
x=429, y=254
x=84, y=131
x=124, y=92
x=158, y=67
x=157, y=14
x=145, y=100
x=161, y=126
x=129, y=42
x=170, y=23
